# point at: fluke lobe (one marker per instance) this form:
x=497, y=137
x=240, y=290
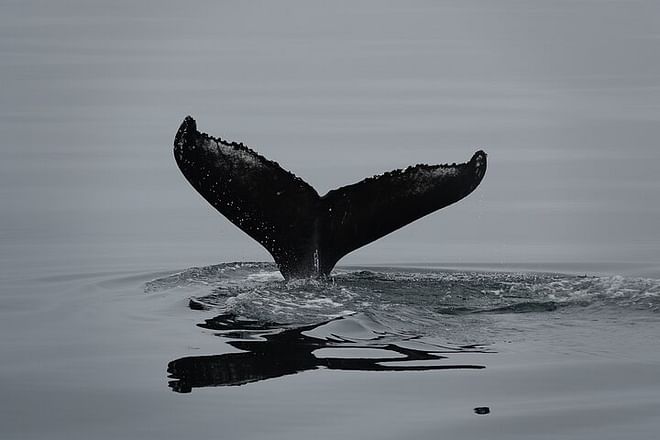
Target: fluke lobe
x=305, y=233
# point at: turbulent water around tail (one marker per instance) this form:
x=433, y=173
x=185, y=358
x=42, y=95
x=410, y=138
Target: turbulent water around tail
x=397, y=319
x=413, y=297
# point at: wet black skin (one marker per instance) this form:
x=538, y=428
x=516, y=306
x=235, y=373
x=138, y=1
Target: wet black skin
x=305, y=233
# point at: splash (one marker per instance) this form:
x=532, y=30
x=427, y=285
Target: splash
x=403, y=298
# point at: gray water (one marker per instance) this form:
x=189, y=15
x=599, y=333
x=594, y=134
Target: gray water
x=535, y=297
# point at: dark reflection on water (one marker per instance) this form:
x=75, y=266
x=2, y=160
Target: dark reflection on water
x=271, y=351
x=373, y=321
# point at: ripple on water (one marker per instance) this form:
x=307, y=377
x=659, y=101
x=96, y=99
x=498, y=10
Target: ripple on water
x=258, y=291
x=379, y=320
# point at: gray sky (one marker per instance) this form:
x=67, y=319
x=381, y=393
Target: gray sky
x=564, y=96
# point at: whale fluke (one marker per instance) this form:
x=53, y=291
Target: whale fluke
x=305, y=233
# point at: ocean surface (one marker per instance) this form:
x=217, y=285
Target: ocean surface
x=233, y=351
x=129, y=308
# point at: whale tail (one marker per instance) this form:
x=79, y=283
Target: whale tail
x=305, y=233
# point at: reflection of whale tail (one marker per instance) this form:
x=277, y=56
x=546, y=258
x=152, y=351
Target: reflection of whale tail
x=307, y=234
x=283, y=350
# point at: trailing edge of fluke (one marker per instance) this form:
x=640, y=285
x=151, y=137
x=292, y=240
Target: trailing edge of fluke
x=306, y=233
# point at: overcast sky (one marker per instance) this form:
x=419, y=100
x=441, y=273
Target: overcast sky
x=564, y=96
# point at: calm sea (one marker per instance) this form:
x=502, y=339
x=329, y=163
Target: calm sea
x=529, y=309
